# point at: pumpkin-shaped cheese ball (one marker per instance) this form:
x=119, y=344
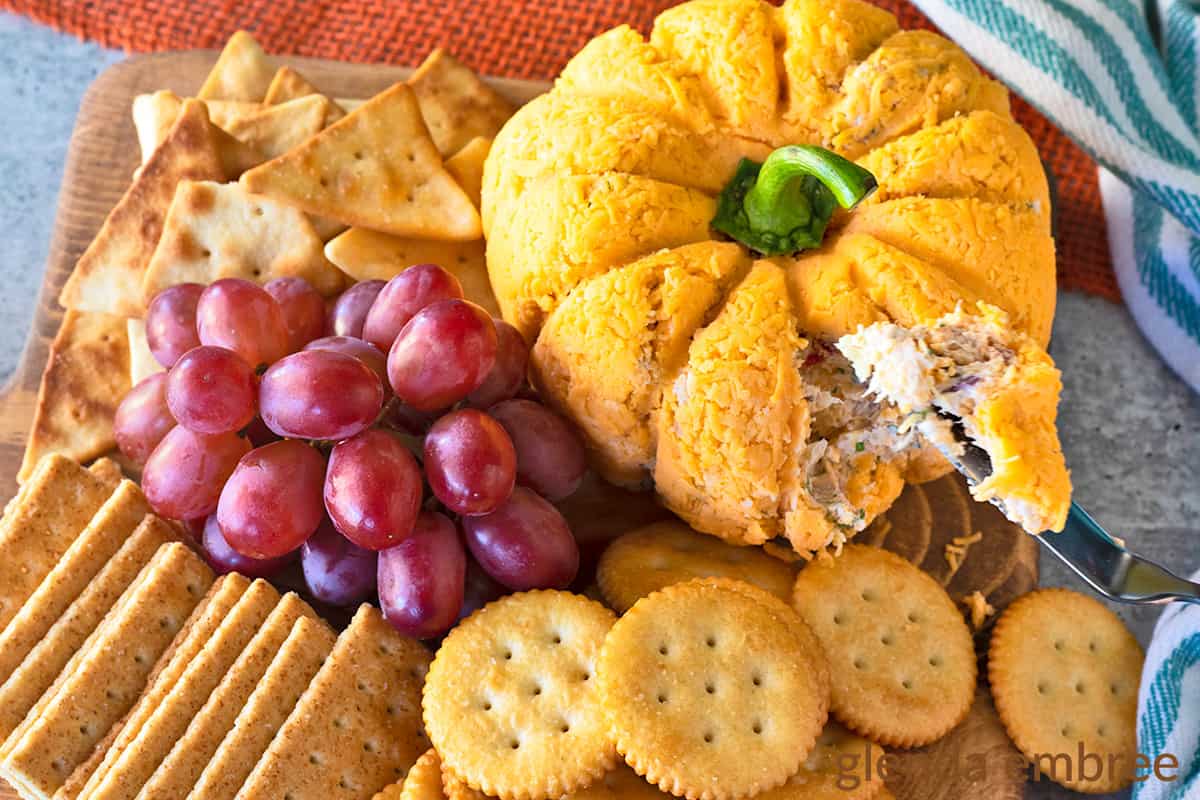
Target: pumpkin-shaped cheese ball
x=710, y=371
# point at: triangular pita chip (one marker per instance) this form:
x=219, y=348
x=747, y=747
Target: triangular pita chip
x=142, y=363
x=108, y=276
x=456, y=103
x=274, y=130
x=153, y=116
x=467, y=167
x=218, y=231
x=288, y=84
x=366, y=255
x=377, y=169
x=242, y=72
x=224, y=112
x=86, y=376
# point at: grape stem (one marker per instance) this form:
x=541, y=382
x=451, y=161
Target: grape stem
x=784, y=204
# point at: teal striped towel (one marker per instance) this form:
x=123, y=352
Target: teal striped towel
x=1093, y=68
x=1169, y=703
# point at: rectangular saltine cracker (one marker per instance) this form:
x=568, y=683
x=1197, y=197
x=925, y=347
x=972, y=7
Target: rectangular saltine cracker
x=221, y=599
x=109, y=528
x=110, y=675
x=182, y=767
x=67, y=635
x=60, y=500
x=169, y=721
x=271, y=701
x=322, y=751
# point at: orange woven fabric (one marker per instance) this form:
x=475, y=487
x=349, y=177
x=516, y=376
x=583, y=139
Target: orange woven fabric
x=519, y=39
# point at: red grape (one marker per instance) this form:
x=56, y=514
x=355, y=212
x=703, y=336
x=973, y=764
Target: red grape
x=240, y=316
x=212, y=390
x=365, y=352
x=470, y=462
x=183, y=477
x=171, y=322
x=442, y=354
x=318, y=394
x=550, y=455
x=373, y=489
x=524, y=544
x=303, y=309
x=508, y=374
x=143, y=418
x=350, y=310
x=480, y=590
x=272, y=501
x=223, y=558
x=403, y=296
x=336, y=570
x=421, y=579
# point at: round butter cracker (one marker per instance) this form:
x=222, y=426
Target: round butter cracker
x=901, y=657
x=656, y=556
x=1064, y=672
x=711, y=692
x=511, y=704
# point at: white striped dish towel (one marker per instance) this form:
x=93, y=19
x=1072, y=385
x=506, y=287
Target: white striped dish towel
x=1092, y=67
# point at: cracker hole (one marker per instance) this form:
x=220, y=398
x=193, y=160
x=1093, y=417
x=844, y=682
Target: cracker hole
x=1114, y=689
x=556, y=639
x=1102, y=730
x=192, y=588
x=58, y=765
x=1059, y=645
x=886, y=639
x=1043, y=687
x=358, y=155
x=1066, y=730
x=757, y=727
x=537, y=690
x=514, y=744
x=914, y=617
x=708, y=737
x=838, y=619
x=411, y=157
x=711, y=641
x=314, y=759
x=662, y=698
x=935, y=661
x=907, y=683
x=868, y=595
x=84, y=730
x=1092, y=646
x=339, y=723
x=710, y=688
x=324, y=182
x=860, y=664
x=565, y=727
x=139, y=659
x=205, y=253
x=508, y=655
x=164, y=623
x=487, y=706
x=1079, y=687
x=585, y=676
x=369, y=747
x=663, y=650
x=110, y=694
x=756, y=679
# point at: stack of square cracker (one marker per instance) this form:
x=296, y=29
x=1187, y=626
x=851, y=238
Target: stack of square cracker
x=333, y=191
x=128, y=670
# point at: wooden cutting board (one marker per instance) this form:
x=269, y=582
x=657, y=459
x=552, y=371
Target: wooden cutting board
x=102, y=156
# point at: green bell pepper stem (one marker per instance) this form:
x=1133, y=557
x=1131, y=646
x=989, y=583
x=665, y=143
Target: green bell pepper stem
x=785, y=204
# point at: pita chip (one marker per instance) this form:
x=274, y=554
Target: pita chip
x=376, y=168
x=274, y=130
x=367, y=255
x=467, y=167
x=108, y=276
x=216, y=230
x=288, y=84
x=142, y=363
x=85, y=378
x=456, y=104
x=242, y=72
x=153, y=116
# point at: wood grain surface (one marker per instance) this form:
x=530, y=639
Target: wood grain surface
x=102, y=156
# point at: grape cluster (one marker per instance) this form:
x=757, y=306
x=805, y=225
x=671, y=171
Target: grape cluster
x=381, y=440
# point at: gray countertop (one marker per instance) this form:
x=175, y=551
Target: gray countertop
x=1130, y=428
